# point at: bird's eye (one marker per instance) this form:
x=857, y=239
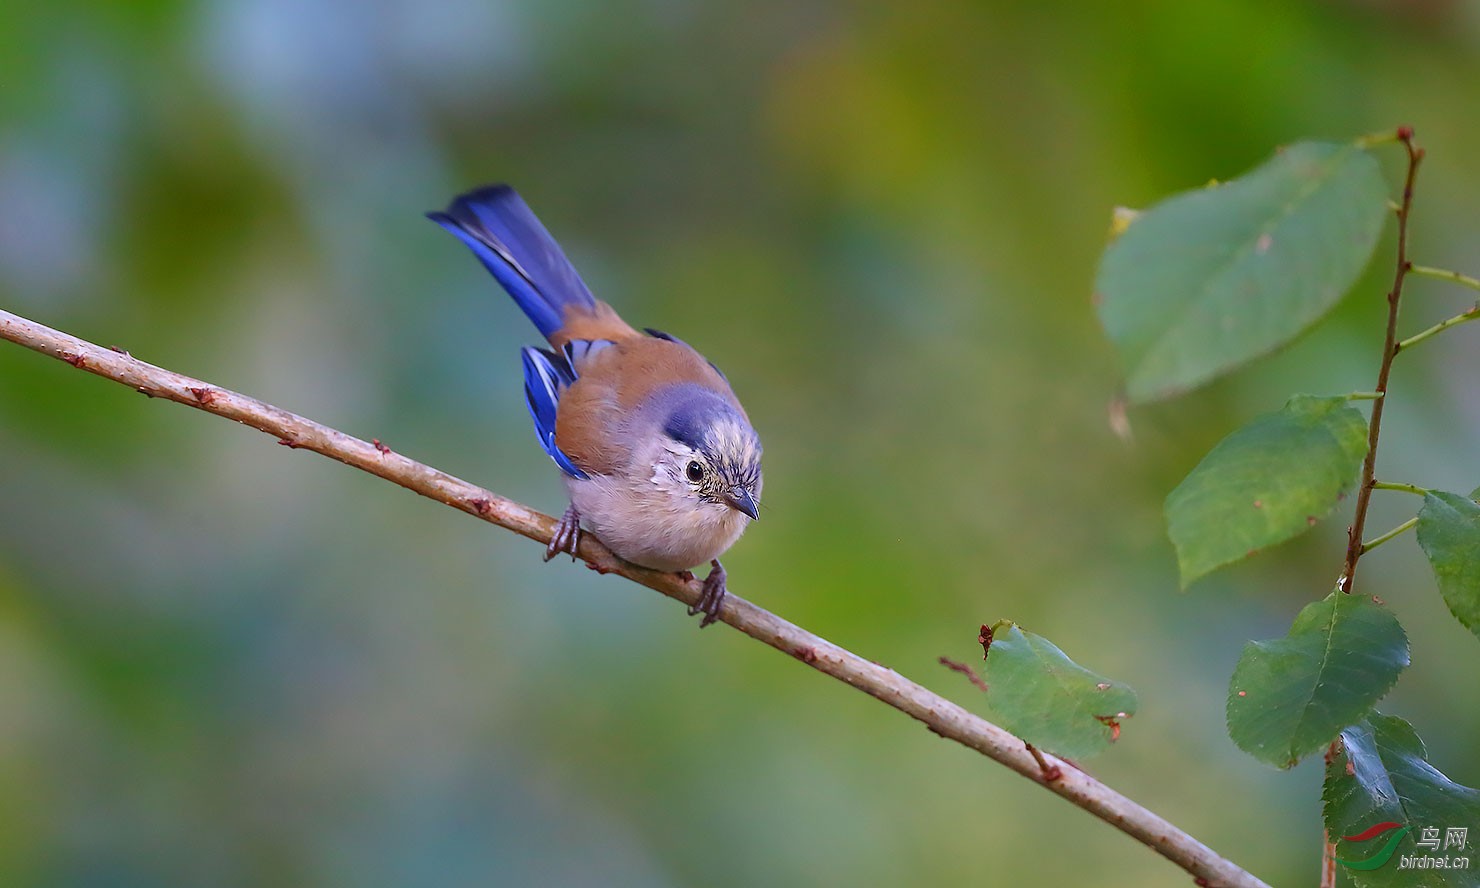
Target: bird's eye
x=695, y=471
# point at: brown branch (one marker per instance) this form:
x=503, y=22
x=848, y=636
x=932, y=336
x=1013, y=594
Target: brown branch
x=938, y=714
x=1328, y=861
x=1328, y=847
x=1389, y=351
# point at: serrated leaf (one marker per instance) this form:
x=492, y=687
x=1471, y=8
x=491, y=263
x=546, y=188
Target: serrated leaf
x=1049, y=700
x=1265, y=483
x=1212, y=278
x=1291, y=696
x=1380, y=794
x=1449, y=532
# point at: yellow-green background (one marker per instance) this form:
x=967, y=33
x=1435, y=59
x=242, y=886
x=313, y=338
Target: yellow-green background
x=225, y=663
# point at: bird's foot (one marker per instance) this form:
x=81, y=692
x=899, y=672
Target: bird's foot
x=567, y=535
x=713, y=597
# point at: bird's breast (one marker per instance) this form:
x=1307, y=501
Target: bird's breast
x=644, y=526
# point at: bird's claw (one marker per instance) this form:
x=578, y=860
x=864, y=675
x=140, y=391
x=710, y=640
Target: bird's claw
x=567, y=535
x=713, y=597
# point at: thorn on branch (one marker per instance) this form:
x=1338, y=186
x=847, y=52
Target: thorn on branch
x=75, y=360
x=384, y=450
x=145, y=392
x=290, y=444
x=1050, y=772
x=203, y=395
x=120, y=350
x=481, y=505
x=807, y=654
x=965, y=670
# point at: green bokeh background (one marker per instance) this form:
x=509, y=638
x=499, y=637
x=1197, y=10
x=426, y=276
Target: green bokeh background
x=225, y=663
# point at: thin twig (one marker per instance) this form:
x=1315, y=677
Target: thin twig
x=1051, y=770
x=1328, y=847
x=1445, y=274
x=971, y=676
x=1328, y=860
x=1389, y=351
x=1404, y=488
x=1395, y=532
x=1461, y=318
x=940, y=715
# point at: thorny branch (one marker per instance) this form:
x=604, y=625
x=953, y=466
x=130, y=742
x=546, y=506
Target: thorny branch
x=938, y=714
x=1389, y=351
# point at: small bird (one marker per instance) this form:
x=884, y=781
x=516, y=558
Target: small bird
x=659, y=459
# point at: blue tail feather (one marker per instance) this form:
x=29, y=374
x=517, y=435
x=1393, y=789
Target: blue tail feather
x=506, y=236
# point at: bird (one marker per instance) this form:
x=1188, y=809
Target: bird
x=659, y=459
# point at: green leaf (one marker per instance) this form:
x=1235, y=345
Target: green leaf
x=1265, y=483
x=1449, y=532
x=1212, y=278
x=1049, y=700
x=1292, y=695
x=1381, y=790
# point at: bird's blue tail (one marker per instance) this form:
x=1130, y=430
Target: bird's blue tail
x=504, y=233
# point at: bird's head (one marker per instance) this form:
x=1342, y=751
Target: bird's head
x=709, y=454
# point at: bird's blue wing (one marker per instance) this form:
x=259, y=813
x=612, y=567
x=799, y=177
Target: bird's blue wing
x=546, y=375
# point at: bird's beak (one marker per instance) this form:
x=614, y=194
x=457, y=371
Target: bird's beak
x=741, y=500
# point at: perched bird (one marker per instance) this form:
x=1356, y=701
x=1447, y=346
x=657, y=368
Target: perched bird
x=659, y=458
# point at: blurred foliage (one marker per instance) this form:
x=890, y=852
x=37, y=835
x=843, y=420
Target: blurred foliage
x=225, y=663
x=1214, y=277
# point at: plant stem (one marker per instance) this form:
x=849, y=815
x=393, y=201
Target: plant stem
x=1440, y=327
x=1363, y=396
x=1396, y=531
x=1372, y=140
x=1445, y=274
x=1406, y=488
x=1389, y=351
x=940, y=715
x=1328, y=847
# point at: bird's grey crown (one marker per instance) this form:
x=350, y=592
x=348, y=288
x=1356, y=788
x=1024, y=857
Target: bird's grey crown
x=692, y=412
x=707, y=422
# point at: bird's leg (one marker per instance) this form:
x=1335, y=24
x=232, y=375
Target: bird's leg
x=567, y=534
x=713, y=596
